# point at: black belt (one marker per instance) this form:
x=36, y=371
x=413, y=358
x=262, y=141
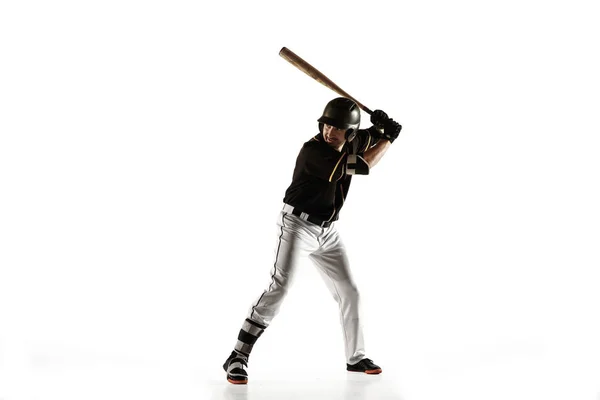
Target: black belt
x=306, y=217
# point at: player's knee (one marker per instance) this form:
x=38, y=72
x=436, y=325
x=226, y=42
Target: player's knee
x=282, y=284
x=355, y=295
x=349, y=292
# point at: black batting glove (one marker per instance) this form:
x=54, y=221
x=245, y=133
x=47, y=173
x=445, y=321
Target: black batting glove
x=391, y=130
x=375, y=132
x=378, y=118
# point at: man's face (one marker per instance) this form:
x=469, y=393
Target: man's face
x=333, y=136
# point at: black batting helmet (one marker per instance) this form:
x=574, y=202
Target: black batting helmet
x=342, y=113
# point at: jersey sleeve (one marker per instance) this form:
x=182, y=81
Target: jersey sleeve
x=366, y=138
x=356, y=165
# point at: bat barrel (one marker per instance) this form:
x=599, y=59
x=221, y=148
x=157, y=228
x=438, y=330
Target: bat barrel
x=317, y=75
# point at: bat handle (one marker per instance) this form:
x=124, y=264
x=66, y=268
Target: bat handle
x=358, y=103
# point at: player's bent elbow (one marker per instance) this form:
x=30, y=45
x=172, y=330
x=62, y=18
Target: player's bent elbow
x=357, y=165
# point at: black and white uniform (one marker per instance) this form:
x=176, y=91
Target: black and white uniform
x=312, y=204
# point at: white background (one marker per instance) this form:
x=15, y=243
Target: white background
x=146, y=147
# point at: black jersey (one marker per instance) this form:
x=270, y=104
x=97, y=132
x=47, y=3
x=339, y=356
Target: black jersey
x=320, y=182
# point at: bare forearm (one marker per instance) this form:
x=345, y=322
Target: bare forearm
x=374, y=154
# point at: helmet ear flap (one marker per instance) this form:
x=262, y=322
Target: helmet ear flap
x=350, y=134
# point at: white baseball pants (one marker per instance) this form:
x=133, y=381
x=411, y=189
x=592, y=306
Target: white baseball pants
x=297, y=239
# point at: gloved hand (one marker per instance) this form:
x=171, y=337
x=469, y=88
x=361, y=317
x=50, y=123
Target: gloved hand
x=391, y=130
x=378, y=118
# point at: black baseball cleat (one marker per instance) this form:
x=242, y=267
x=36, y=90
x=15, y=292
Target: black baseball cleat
x=365, y=365
x=234, y=366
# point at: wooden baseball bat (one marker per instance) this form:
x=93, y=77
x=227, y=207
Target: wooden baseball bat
x=317, y=75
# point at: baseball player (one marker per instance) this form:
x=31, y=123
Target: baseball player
x=312, y=204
